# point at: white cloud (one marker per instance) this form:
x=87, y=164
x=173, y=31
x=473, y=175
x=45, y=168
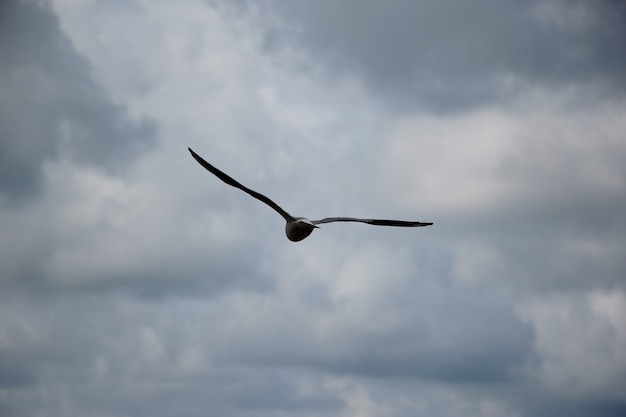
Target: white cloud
x=535, y=149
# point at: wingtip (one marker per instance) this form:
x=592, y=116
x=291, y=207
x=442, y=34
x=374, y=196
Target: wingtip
x=195, y=155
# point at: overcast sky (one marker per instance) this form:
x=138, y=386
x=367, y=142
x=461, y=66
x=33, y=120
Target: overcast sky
x=135, y=283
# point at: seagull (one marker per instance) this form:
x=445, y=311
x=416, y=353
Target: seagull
x=298, y=228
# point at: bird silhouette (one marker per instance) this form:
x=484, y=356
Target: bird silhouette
x=298, y=228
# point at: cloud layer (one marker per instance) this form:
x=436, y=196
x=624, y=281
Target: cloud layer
x=132, y=282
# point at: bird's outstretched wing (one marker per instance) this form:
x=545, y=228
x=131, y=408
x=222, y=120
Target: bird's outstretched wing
x=230, y=181
x=376, y=222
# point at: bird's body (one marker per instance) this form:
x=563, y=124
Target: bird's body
x=298, y=228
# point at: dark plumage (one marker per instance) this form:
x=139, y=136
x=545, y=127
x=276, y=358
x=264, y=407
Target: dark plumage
x=298, y=228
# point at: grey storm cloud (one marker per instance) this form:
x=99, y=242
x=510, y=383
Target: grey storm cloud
x=445, y=55
x=133, y=283
x=51, y=105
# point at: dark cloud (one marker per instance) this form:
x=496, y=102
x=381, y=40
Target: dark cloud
x=51, y=106
x=439, y=334
x=447, y=56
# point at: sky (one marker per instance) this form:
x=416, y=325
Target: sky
x=133, y=282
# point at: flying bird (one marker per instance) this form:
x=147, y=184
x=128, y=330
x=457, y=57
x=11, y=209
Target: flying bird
x=298, y=228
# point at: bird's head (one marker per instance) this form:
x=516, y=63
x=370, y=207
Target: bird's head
x=299, y=228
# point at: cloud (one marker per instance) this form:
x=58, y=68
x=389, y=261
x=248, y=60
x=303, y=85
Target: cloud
x=52, y=108
x=444, y=56
x=144, y=285
x=531, y=180
x=586, y=366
